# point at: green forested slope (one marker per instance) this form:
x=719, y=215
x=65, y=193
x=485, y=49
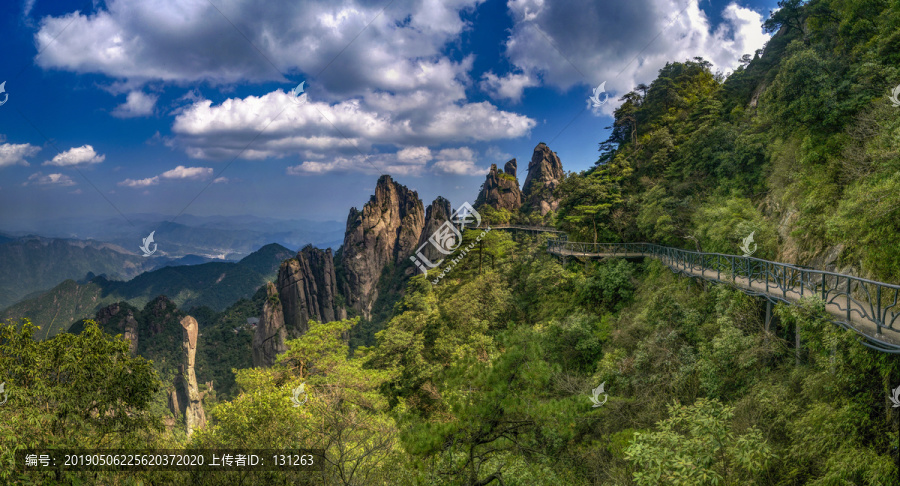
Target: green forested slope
x=800, y=145
x=487, y=376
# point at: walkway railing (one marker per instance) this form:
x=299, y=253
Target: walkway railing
x=868, y=307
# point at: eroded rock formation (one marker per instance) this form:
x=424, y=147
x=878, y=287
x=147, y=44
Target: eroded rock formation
x=194, y=416
x=126, y=323
x=435, y=215
x=545, y=172
x=387, y=230
x=501, y=188
x=307, y=288
x=270, y=335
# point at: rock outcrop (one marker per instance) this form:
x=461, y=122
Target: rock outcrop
x=545, y=172
x=435, y=215
x=387, y=230
x=194, y=416
x=501, y=188
x=270, y=335
x=307, y=288
x=126, y=323
x=510, y=167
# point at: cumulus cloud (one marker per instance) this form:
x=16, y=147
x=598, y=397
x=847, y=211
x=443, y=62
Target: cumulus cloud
x=137, y=41
x=15, y=153
x=370, y=164
x=39, y=179
x=278, y=128
x=182, y=172
x=583, y=42
x=150, y=181
x=137, y=103
x=510, y=86
x=84, y=155
x=458, y=161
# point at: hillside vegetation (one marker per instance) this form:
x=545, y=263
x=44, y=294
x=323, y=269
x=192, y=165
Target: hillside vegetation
x=486, y=377
x=801, y=145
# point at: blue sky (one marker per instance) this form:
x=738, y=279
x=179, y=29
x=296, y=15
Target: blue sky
x=128, y=106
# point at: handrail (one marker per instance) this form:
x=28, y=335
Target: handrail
x=868, y=307
x=537, y=229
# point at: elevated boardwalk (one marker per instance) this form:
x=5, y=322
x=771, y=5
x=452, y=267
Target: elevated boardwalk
x=867, y=307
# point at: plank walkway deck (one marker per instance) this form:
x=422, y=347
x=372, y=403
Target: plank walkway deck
x=869, y=308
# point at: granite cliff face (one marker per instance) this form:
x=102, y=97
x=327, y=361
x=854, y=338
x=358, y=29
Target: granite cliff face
x=501, y=188
x=545, y=172
x=435, y=215
x=307, y=289
x=270, y=335
x=387, y=230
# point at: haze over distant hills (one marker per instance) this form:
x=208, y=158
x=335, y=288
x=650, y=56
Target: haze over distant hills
x=73, y=248
x=219, y=237
x=215, y=285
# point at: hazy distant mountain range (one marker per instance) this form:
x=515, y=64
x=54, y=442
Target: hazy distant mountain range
x=215, y=284
x=74, y=247
x=218, y=237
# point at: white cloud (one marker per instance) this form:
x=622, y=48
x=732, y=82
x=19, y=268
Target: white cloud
x=182, y=172
x=458, y=161
x=220, y=180
x=387, y=82
x=150, y=181
x=83, y=155
x=137, y=103
x=40, y=179
x=625, y=43
x=369, y=164
x=137, y=41
x=278, y=128
x=414, y=154
x=14, y=154
x=510, y=86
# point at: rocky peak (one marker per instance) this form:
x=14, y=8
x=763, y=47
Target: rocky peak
x=387, y=230
x=545, y=172
x=122, y=316
x=270, y=335
x=436, y=215
x=161, y=311
x=510, y=168
x=501, y=188
x=307, y=290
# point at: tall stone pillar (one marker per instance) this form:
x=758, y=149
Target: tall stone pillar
x=194, y=416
